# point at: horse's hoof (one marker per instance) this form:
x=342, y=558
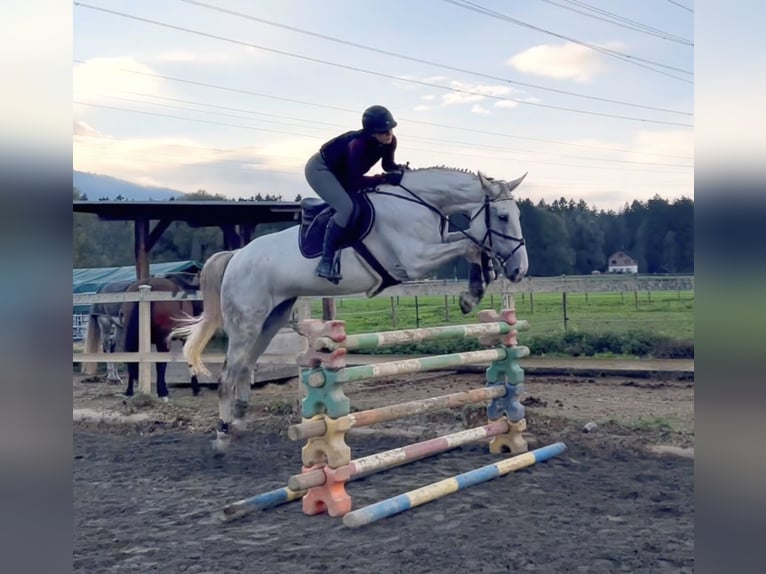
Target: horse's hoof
x=239, y=426
x=467, y=302
x=165, y=399
x=221, y=443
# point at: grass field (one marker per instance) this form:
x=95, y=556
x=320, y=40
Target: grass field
x=662, y=315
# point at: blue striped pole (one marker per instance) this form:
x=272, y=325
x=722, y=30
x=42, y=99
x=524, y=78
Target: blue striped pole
x=413, y=498
x=261, y=502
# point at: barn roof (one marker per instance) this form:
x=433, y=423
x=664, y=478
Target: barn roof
x=89, y=280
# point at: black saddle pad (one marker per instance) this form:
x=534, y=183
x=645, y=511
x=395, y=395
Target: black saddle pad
x=314, y=217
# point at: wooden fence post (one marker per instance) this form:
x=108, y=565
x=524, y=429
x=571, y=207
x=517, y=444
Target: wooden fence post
x=564, y=305
x=393, y=313
x=328, y=308
x=417, y=312
x=144, y=339
x=446, y=308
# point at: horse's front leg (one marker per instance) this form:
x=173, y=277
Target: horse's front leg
x=432, y=256
x=469, y=299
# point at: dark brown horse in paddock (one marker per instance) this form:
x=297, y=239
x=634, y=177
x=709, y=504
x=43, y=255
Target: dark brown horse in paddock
x=164, y=318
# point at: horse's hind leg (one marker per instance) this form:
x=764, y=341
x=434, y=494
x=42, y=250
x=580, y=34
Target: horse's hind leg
x=277, y=319
x=162, y=387
x=236, y=369
x=110, y=346
x=245, y=346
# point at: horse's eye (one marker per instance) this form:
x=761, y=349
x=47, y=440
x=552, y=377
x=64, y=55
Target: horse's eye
x=503, y=217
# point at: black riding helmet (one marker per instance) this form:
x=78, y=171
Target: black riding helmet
x=377, y=119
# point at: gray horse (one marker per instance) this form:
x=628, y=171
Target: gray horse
x=104, y=330
x=250, y=292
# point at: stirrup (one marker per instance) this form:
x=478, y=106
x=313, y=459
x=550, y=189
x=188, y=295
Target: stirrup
x=334, y=275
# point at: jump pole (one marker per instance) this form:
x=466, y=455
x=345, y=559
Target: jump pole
x=408, y=366
x=402, y=455
x=389, y=338
x=433, y=491
x=262, y=501
x=362, y=467
x=313, y=428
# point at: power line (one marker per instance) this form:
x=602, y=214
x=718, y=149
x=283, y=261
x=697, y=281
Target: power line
x=635, y=60
x=374, y=73
x=617, y=20
x=356, y=113
x=413, y=138
x=681, y=6
x=453, y=152
x=422, y=61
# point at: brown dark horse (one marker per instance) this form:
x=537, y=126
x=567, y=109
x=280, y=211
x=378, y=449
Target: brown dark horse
x=164, y=315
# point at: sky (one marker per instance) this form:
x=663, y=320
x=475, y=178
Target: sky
x=593, y=99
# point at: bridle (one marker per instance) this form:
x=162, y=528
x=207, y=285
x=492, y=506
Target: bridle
x=485, y=244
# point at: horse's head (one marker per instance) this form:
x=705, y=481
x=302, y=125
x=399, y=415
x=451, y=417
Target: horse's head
x=497, y=223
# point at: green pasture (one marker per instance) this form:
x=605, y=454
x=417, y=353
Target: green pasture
x=603, y=321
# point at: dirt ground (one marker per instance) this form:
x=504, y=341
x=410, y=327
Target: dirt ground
x=148, y=494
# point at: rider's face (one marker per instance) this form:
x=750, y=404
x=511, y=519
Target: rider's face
x=384, y=137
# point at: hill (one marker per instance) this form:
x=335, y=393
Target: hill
x=97, y=186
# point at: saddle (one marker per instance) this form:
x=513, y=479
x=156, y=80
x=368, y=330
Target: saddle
x=315, y=214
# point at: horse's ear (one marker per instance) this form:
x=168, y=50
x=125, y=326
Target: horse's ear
x=484, y=181
x=516, y=182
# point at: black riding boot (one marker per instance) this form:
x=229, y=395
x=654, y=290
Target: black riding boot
x=328, y=267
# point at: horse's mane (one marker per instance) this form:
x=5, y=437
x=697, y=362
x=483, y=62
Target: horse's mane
x=445, y=168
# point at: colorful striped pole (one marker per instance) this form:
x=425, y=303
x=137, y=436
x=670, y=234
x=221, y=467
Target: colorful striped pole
x=263, y=501
x=312, y=428
x=376, y=371
x=413, y=498
x=389, y=338
x=403, y=455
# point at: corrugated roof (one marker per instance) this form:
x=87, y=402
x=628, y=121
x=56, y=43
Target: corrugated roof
x=89, y=280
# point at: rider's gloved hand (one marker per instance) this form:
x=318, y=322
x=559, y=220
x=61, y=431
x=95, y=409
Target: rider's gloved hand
x=394, y=177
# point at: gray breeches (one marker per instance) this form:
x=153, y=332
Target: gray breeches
x=327, y=186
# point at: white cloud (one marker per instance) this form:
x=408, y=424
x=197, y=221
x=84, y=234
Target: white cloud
x=479, y=109
x=567, y=61
x=506, y=104
x=195, y=57
x=477, y=92
x=421, y=108
x=663, y=142
x=428, y=97
x=460, y=98
x=94, y=79
x=82, y=128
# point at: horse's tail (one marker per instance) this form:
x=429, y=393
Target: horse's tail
x=92, y=343
x=199, y=330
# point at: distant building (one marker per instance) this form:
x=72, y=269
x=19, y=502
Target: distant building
x=621, y=262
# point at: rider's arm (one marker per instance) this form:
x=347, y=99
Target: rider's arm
x=357, y=168
x=387, y=161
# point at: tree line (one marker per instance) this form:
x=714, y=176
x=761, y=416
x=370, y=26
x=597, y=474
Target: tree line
x=563, y=237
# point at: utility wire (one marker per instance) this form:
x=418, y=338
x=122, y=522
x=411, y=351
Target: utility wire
x=635, y=60
x=374, y=73
x=422, y=61
x=681, y=6
x=356, y=112
x=617, y=20
x=269, y=130
x=440, y=141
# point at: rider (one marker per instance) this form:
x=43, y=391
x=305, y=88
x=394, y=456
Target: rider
x=338, y=169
